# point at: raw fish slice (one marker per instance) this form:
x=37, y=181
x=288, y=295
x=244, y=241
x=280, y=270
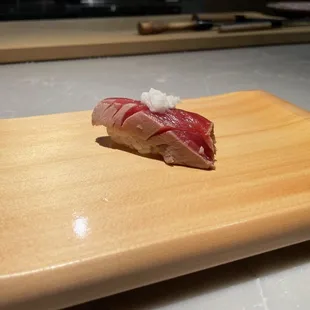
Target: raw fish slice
x=180, y=137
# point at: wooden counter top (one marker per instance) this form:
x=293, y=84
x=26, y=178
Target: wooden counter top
x=79, y=38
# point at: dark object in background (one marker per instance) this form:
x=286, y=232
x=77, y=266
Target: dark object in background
x=49, y=9
x=290, y=9
x=45, y=9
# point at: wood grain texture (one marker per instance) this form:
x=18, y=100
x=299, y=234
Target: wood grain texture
x=79, y=38
x=81, y=221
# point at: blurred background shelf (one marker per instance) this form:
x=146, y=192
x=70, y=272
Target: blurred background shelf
x=35, y=9
x=38, y=9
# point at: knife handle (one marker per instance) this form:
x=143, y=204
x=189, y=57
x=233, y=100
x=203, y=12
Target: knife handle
x=246, y=27
x=146, y=28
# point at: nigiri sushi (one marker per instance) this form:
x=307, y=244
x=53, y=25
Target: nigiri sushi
x=153, y=125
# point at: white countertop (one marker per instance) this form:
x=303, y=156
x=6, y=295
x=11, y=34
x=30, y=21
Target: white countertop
x=279, y=280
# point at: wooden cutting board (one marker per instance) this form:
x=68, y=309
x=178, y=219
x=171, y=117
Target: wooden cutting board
x=80, y=221
x=95, y=37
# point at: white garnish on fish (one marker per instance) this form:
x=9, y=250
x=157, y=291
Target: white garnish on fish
x=159, y=102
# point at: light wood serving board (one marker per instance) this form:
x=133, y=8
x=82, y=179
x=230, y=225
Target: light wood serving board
x=80, y=221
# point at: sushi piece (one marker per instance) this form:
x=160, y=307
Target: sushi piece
x=153, y=125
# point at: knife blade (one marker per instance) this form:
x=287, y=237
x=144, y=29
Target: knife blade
x=262, y=24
